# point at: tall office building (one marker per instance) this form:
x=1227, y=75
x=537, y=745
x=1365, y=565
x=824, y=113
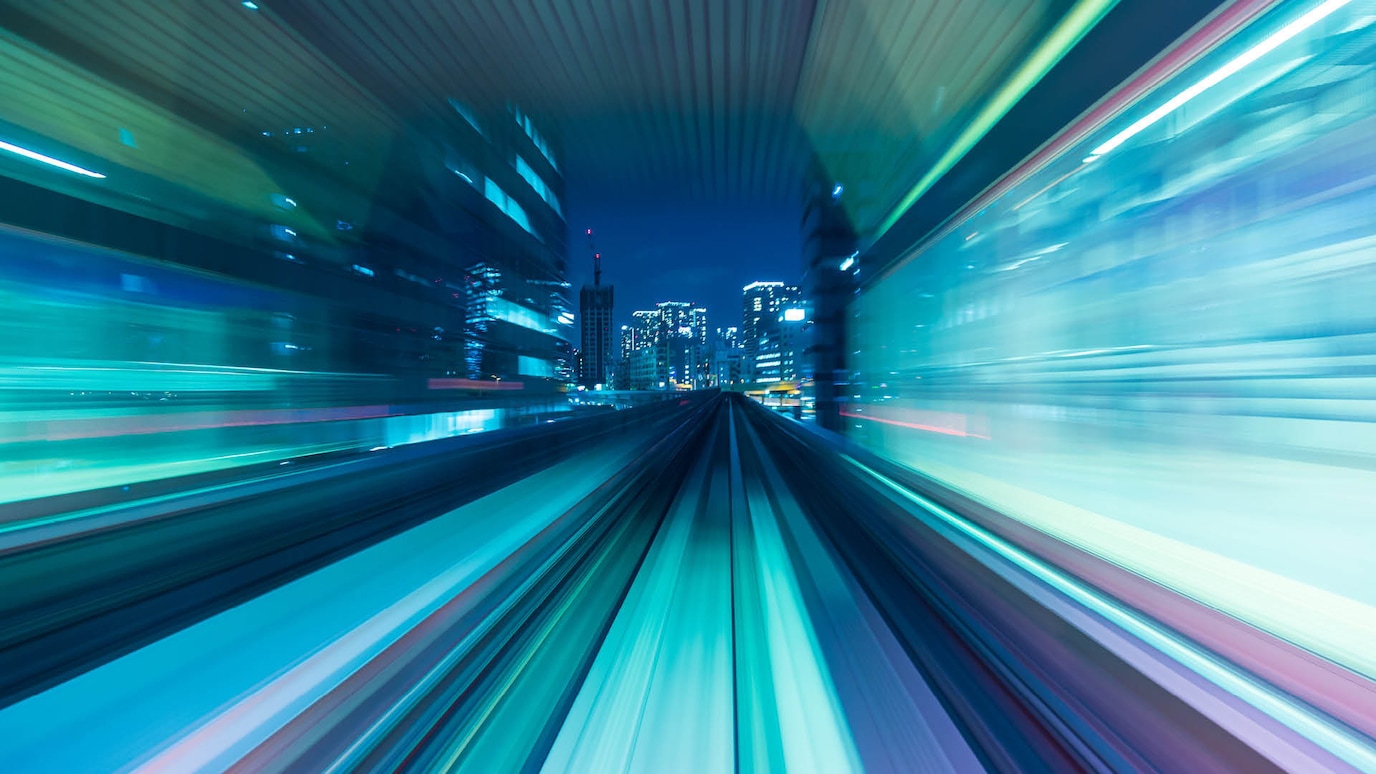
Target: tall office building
x=666, y=347
x=702, y=354
x=627, y=343
x=780, y=353
x=676, y=344
x=642, y=371
x=763, y=304
x=727, y=357
x=595, y=313
x=731, y=336
x=644, y=327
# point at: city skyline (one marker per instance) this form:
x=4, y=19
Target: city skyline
x=651, y=257
x=623, y=313
x=675, y=345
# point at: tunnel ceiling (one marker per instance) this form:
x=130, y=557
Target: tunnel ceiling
x=679, y=100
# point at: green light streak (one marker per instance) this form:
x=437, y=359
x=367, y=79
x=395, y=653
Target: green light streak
x=1080, y=20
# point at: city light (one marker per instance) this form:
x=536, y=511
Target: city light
x=795, y=315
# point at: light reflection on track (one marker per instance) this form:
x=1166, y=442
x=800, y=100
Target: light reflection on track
x=714, y=590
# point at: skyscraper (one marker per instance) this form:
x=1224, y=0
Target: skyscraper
x=666, y=347
x=727, y=357
x=731, y=336
x=644, y=328
x=676, y=343
x=642, y=359
x=595, y=313
x=702, y=356
x=780, y=352
x=761, y=307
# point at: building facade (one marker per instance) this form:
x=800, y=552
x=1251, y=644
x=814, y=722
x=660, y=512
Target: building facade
x=762, y=308
x=597, y=343
x=666, y=348
x=676, y=344
x=440, y=256
x=781, y=355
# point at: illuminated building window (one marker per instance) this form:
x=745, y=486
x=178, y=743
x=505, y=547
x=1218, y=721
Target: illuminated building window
x=508, y=205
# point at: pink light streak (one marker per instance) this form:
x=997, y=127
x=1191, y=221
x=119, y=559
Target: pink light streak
x=916, y=426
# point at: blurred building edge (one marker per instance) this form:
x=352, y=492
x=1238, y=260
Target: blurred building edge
x=830, y=266
x=445, y=259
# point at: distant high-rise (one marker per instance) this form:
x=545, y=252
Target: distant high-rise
x=666, y=348
x=595, y=313
x=762, y=305
x=631, y=342
x=702, y=356
x=644, y=328
x=727, y=357
x=642, y=359
x=627, y=343
x=676, y=343
x=780, y=352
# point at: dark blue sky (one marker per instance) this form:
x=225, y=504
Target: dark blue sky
x=703, y=253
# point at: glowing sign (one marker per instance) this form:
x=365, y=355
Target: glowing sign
x=795, y=315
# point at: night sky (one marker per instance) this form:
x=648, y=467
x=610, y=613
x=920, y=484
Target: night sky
x=701, y=253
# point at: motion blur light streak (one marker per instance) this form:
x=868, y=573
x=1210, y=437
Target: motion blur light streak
x=1323, y=731
x=1075, y=476
x=1072, y=27
x=1266, y=46
x=1235, y=402
x=49, y=160
x=658, y=690
x=914, y=425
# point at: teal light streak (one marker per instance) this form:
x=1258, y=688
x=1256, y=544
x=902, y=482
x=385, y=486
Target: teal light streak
x=1321, y=731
